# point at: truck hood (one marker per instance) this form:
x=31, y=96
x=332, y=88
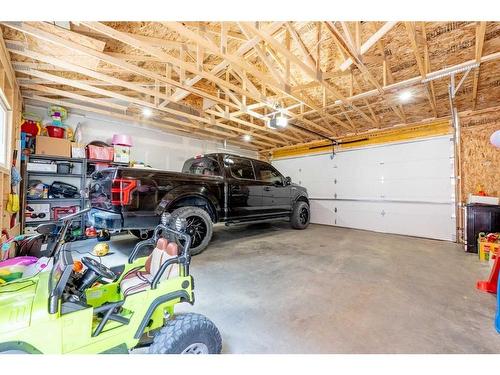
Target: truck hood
x=16, y=300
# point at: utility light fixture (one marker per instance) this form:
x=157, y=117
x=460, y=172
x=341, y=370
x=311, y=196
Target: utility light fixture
x=405, y=96
x=281, y=121
x=147, y=112
x=278, y=122
x=247, y=137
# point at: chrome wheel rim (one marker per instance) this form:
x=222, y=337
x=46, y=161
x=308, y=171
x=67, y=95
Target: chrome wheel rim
x=196, y=348
x=197, y=229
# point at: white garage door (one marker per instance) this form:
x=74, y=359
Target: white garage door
x=404, y=188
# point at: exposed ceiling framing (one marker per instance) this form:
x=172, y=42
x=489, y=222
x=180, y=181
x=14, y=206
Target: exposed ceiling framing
x=225, y=80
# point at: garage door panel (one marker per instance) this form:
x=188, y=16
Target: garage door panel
x=352, y=189
x=421, y=189
x=418, y=168
x=322, y=212
x=359, y=215
x=412, y=219
x=422, y=220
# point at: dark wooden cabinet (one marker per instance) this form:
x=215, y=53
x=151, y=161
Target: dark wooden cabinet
x=480, y=218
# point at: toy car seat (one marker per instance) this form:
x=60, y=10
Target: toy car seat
x=137, y=281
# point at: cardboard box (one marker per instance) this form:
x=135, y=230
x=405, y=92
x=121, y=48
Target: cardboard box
x=77, y=150
x=121, y=154
x=53, y=146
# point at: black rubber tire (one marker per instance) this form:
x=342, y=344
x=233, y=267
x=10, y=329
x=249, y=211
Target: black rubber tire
x=296, y=220
x=189, y=212
x=137, y=233
x=184, y=330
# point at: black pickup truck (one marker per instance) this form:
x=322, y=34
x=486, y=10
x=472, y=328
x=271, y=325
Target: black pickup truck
x=210, y=189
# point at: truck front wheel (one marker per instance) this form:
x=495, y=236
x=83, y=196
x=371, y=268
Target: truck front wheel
x=198, y=225
x=300, y=215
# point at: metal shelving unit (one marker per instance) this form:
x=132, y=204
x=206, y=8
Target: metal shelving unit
x=82, y=176
x=49, y=177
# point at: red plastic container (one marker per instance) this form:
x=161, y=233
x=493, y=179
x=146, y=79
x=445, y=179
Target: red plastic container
x=55, y=131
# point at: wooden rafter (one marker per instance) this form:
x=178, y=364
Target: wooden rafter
x=412, y=35
x=348, y=50
x=223, y=80
x=365, y=47
x=312, y=73
x=480, y=33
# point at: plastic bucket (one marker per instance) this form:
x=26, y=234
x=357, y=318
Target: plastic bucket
x=55, y=131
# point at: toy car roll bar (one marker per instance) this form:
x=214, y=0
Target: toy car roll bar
x=183, y=260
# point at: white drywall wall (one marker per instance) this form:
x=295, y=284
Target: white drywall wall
x=154, y=147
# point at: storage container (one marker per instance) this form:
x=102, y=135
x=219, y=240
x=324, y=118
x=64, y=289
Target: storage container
x=100, y=153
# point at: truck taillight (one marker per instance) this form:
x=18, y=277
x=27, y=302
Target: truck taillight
x=121, y=191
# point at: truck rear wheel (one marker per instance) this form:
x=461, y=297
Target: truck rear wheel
x=300, y=215
x=198, y=225
x=187, y=334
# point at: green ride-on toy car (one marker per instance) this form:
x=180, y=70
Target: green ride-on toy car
x=64, y=311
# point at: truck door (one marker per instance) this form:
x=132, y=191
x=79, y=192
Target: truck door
x=276, y=195
x=245, y=192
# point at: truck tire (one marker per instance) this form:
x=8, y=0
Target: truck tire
x=187, y=334
x=300, y=215
x=199, y=227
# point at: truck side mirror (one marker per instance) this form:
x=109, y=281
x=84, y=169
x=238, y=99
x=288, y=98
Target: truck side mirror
x=288, y=180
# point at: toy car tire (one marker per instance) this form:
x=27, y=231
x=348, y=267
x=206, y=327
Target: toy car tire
x=184, y=333
x=301, y=215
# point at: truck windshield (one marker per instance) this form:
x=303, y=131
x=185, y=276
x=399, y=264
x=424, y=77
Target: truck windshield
x=205, y=166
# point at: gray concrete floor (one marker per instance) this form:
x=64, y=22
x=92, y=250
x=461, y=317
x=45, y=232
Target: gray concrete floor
x=271, y=289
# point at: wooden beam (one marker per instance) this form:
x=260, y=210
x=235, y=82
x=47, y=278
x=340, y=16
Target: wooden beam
x=444, y=72
x=344, y=46
x=302, y=47
x=246, y=67
x=137, y=119
x=43, y=35
x=143, y=103
x=480, y=33
x=100, y=76
x=427, y=66
x=365, y=47
x=242, y=50
x=412, y=35
x=71, y=95
x=306, y=68
x=208, y=45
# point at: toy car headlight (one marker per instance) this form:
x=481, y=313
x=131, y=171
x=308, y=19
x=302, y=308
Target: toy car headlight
x=180, y=224
x=166, y=218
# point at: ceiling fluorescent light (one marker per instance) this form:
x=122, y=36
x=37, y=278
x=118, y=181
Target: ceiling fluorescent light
x=147, y=112
x=405, y=96
x=281, y=121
